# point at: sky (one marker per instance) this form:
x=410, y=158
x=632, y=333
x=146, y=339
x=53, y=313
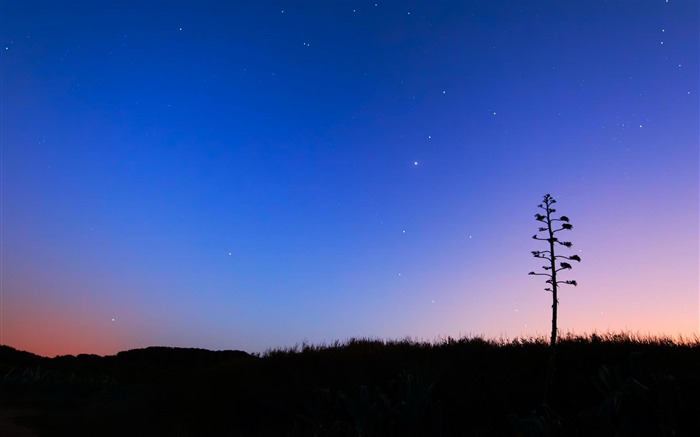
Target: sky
x=258, y=174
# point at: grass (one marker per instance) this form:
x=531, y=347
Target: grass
x=611, y=384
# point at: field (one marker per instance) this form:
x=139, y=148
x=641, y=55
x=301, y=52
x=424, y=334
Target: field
x=605, y=385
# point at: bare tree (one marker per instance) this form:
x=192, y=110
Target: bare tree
x=553, y=226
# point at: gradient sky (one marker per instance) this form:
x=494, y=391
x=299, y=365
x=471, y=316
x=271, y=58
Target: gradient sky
x=255, y=174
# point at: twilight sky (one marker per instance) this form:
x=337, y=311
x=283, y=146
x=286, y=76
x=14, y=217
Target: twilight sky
x=254, y=174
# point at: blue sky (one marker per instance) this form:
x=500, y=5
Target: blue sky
x=255, y=174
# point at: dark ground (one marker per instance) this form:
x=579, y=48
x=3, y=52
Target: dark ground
x=614, y=385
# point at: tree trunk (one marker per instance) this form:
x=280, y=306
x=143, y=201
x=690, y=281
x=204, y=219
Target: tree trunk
x=549, y=388
x=554, y=281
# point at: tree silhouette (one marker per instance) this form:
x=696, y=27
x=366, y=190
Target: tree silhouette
x=553, y=226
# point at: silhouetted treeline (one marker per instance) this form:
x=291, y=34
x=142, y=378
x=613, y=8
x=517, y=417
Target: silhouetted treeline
x=610, y=385
x=156, y=356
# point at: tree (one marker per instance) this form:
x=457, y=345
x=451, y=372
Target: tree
x=553, y=226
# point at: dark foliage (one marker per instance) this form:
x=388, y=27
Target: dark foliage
x=611, y=385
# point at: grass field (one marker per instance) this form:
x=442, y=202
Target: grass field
x=605, y=385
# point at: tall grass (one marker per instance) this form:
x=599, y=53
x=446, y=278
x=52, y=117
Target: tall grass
x=374, y=387
x=368, y=344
